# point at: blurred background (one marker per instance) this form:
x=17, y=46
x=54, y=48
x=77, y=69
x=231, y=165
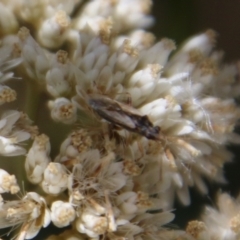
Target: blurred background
x=179, y=20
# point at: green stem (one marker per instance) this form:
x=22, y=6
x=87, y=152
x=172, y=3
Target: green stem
x=32, y=99
x=31, y=106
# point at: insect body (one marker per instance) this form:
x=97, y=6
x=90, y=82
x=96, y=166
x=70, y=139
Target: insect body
x=124, y=116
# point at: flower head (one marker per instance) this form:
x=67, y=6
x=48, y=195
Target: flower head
x=138, y=122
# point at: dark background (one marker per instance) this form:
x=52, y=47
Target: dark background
x=178, y=20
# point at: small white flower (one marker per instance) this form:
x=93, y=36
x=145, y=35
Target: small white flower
x=7, y=20
x=126, y=15
x=37, y=158
x=127, y=57
x=203, y=42
x=92, y=224
x=131, y=204
x=158, y=53
x=63, y=110
x=56, y=84
x=96, y=173
x=39, y=209
x=10, y=136
x=8, y=183
x=224, y=223
x=9, y=57
x=52, y=32
x=34, y=59
x=79, y=141
x=55, y=178
x=31, y=212
x=198, y=230
x=62, y=213
x=60, y=75
x=143, y=82
x=9, y=118
x=7, y=94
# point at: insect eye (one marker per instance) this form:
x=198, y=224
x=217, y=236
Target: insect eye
x=143, y=130
x=156, y=129
x=145, y=121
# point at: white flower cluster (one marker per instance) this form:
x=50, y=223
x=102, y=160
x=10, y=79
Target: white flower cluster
x=144, y=127
x=223, y=223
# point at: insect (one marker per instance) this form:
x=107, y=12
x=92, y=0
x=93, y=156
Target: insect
x=122, y=115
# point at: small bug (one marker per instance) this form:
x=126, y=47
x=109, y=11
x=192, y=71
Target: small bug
x=122, y=115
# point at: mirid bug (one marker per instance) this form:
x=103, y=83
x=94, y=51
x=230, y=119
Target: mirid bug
x=119, y=114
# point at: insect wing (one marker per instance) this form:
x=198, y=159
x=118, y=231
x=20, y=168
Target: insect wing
x=130, y=110
x=124, y=116
x=112, y=112
x=117, y=118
